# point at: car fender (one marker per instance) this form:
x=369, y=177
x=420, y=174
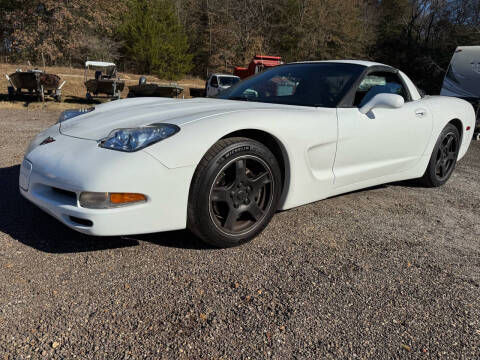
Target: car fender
x=444, y=110
x=308, y=137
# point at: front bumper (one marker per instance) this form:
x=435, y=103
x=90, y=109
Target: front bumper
x=52, y=176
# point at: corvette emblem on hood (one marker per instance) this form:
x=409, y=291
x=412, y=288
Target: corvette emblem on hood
x=48, y=140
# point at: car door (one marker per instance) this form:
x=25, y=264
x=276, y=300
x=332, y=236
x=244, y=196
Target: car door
x=212, y=89
x=386, y=140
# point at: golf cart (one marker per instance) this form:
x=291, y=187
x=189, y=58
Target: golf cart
x=105, y=82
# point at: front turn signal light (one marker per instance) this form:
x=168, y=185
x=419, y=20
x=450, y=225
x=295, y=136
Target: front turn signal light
x=126, y=198
x=106, y=200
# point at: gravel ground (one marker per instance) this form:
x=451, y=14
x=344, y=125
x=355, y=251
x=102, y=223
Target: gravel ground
x=389, y=272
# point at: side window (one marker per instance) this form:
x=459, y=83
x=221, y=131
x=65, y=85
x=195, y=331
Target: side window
x=378, y=83
x=214, y=81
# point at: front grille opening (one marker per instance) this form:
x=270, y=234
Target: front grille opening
x=69, y=194
x=79, y=221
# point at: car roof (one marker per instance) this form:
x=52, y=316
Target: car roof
x=356, y=62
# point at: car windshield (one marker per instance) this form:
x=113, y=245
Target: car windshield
x=228, y=80
x=304, y=84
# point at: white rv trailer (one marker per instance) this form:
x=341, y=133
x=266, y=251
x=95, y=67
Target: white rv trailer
x=463, y=78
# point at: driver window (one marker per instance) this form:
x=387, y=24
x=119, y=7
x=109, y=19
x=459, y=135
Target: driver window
x=378, y=83
x=214, y=81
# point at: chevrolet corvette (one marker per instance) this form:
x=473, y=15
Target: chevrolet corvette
x=221, y=167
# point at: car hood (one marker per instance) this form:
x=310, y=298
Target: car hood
x=136, y=112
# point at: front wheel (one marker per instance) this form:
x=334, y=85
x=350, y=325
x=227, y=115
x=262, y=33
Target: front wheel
x=234, y=192
x=444, y=157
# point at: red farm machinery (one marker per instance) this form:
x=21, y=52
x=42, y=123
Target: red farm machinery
x=258, y=64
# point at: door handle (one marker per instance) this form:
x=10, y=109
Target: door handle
x=421, y=112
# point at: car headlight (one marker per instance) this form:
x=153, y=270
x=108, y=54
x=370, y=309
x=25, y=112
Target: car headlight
x=135, y=139
x=70, y=114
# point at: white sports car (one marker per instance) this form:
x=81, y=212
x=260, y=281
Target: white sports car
x=291, y=135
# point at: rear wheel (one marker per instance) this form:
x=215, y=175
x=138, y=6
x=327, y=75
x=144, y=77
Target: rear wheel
x=234, y=192
x=444, y=157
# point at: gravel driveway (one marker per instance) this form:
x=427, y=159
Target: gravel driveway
x=389, y=272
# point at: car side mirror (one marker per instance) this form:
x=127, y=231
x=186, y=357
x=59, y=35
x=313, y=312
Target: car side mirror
x=385, y=101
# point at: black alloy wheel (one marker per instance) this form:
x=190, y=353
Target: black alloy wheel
x=234, y=192
x=241, y=195
x=444, y=157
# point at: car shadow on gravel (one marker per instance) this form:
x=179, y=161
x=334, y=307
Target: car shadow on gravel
x=412, y=183
x=26, y=223
x=31, y=226
x=182, y=239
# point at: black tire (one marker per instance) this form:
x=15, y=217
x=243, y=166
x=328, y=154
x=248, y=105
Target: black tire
x=234, y=192
x=444, y=157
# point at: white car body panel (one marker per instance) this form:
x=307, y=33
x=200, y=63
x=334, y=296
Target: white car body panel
x=387, y=141
x=87, y=166
x=411, y=87
x=327, y=151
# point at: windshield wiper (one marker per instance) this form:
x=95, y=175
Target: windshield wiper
x=241, y=98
